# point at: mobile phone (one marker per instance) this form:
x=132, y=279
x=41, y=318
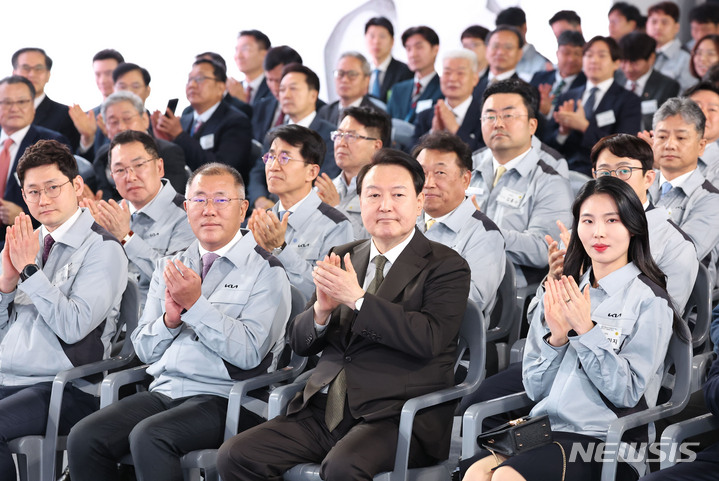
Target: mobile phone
x=172, y=106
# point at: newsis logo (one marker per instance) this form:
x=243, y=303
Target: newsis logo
x=634, y=452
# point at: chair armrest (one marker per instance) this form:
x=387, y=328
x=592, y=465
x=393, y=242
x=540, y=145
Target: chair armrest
x=517, y=352
x=110, y=387
x=241, y=388
x=677, y=433
x=700, y=369
x=475, y=415
x=281, y=396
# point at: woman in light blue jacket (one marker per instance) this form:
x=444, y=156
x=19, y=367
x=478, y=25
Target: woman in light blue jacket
x=595, y=350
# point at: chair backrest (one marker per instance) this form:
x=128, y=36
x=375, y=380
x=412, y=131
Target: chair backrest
x=679, y=356
x=698, y=310
x=402, y=134
x=299, y=303
x=577, y=180
x=505, y=313
x=256, y=149
x=129, y=316
x=473, y=336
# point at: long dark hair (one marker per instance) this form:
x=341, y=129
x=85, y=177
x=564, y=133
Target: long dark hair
x=632, y=216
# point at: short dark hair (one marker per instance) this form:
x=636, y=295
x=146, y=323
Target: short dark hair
x=704, y=85
x=475, y=31
x=424, y=31
x=19, y=79
x=217, y=70
x=628, y=11
x=130, y=136
x=445, y=142
x=313, y=81
x=47, y=152
x=312, y=147
x=667, y=8
x=513, y=16
x=515, y=86
x=636, y=46
x=394, y=157
x=614, y=50
x=624, y=145
x=217, y=168
x=375, y=121
x=569, y=16
x=705, y=13
x=281, y=55
x=380, y=22
x=126, y=67
x=262, y=40
x=214, y=56
x=48, y=60
x=109, y=54
x=506, y=28
x=571, y=38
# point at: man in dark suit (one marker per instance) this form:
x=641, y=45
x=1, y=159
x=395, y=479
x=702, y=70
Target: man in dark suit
x=568, y=74
x=240, y=105
x=504, y=51
x=299, y=89
x=474, y=38
x=412, y=96
x=387, y=71
x=382, y=343
x=352, y=77
x=637, y=62
x=250, y=52
x=214, y=131
x=35, y=65
x=124, y=111
x=268, y=113
x=18, y=133
x=459, y=112
x=586, y=114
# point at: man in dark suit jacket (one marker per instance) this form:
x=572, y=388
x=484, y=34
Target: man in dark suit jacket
x=637, y=62
x=250, y=53
x=459, y=113
x=35, y=65
x=602, y=107
x=298, y=96
x=214, y=131
x=387, y=71
x=568, y=74
x=382, y=343
x=504, y=51
x=18, y=127
x=412, y=96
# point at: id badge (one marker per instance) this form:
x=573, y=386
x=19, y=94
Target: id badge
x=510, y=197
x=207, y=141
x=605, y=118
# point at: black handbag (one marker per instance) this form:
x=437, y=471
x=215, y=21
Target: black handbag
x=517, y=436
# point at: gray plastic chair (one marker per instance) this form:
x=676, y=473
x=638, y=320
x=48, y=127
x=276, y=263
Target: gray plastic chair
x=677, y=433
x=679, y=355
x=505, y=315
x=472, y=336
x=700, y=299
x=402, y=134
x=40, y=456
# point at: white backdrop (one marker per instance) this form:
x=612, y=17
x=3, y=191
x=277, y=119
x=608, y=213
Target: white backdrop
x=163, y=36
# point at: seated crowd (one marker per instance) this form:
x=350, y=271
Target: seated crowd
x=384, y=213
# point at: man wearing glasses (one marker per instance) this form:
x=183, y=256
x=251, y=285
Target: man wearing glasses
x=458, y=113
x=361, y=133
x=59, y=284
x=150, y=221
x=35, y=65
x=18, y=133
x=213, y=131
x=300, y=229
x=125, y=111
x=520, y=183
x=351, y=84
x=215, y=314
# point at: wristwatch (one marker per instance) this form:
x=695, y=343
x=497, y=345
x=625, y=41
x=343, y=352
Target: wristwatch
x=276, y=251
x=126, y=238
x=29, y=270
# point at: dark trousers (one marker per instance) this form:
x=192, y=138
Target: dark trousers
x=157, y=430
x=23, y=412
x=501, y=384
x=704, y=468
x=353, y=450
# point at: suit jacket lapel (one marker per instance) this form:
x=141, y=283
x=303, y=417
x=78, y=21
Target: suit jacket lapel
x=408, y=265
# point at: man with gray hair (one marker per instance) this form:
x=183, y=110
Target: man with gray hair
x=351, y=84
x=122, y=111
x=459, y=112
x=692, y=201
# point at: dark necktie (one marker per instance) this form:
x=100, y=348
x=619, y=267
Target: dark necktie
x=196, y=127
x=334, y=410
x=207, y=261
x=49, y=241
x=589, y=104
x=376, y=86
x=415, y=95
x=280, y=119
x=557, y=92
